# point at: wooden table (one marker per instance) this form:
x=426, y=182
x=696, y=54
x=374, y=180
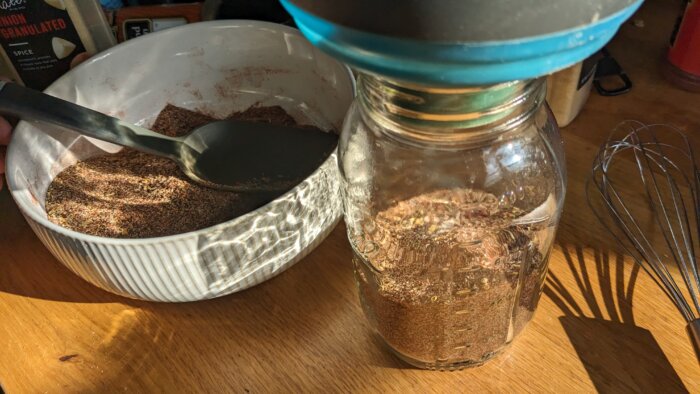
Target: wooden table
x=304, y=330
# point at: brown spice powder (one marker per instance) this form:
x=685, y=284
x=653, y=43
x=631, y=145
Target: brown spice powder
x=438, y=276
x=132, y=194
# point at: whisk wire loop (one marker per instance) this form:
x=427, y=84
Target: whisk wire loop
x=668, y=179
x=679, y=245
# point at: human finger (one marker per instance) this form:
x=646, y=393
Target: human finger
x=79, y=58
x=5, y=131
x=2, y=161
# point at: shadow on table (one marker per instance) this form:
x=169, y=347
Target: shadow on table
x=260, y=337
x=28, y=269
x=618, y=355
x=39, y=275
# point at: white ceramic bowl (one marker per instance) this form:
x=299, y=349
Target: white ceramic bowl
x=218, y=67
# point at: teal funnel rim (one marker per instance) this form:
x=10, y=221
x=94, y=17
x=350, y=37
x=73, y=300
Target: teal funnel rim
x=458, y=63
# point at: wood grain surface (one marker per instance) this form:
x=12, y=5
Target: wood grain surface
x=602, y=325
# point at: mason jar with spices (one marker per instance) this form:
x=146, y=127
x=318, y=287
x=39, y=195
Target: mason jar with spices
x=452, y=198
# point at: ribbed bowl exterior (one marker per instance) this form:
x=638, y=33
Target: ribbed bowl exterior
x=221, y=260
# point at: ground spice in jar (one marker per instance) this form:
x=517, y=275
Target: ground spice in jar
x=447, y=277
x=132, y=194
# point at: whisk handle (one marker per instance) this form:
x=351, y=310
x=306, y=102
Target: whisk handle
x=694, y=332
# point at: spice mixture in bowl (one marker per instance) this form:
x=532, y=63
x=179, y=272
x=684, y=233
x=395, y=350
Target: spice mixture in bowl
x=130, y=223
x=131, y=194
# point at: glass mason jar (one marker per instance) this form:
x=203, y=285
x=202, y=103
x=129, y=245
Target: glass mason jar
x=452, y=199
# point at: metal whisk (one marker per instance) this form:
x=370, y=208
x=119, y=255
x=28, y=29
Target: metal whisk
x=662, y=237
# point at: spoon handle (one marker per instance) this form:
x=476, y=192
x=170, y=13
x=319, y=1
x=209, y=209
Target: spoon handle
x=28, y=104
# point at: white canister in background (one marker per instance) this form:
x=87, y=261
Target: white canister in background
x=568, y=90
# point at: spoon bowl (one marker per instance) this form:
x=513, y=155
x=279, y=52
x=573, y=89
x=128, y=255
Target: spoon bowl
x=253, y=157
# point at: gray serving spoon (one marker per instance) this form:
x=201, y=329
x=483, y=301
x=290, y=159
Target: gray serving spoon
x=231, y=155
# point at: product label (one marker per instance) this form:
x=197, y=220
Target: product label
x=137, y=27
x=587, y=71
x=135, y=21
x=39, y=38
